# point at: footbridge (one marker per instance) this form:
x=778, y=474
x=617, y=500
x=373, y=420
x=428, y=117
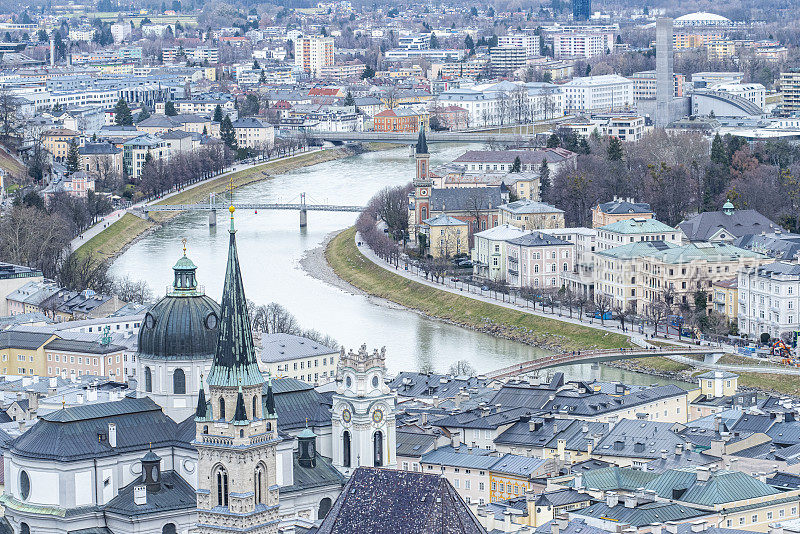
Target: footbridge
x=594, y=356
x=212, y=206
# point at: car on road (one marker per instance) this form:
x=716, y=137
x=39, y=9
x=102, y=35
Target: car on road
x=456, y=279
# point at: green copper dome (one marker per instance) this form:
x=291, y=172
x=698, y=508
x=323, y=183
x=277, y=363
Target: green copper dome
x=184, y=325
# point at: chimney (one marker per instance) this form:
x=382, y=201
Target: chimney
x=612, y=499
x=678, y=449
x=79, y=398
x=717, y=420
x=435, y=400
x=577, y=482
x=703, y=474
x=91, y=395
x=112, y=434
x=630, y=501
x=33, y=401
x=663, y=454
x=52, y=51
x=671, y=527
x=455, y=439
x=140, y=495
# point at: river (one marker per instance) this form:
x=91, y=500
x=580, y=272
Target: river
x=271, y=244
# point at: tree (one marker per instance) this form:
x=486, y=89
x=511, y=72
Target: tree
x=602, y=305
x=369, y=72
x=517, y=165
x=554, y=141
x=130, y=290
x=73, y=157
x=469, y=43
x=227, y=133
x=256, y=66
x=169, y=109
x=718, y=153
x=217, y=114
x=122, y=113
x=349, y=100
x=462, y=368
x=544, y=182
x=614, y=149
x=434, y=41
x=144, y=114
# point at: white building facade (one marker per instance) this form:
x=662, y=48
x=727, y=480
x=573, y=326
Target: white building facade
x=769, y=297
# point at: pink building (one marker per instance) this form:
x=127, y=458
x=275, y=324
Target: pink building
x=538, y=260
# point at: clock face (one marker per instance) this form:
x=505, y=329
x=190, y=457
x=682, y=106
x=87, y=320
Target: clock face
x=346, y=415
x=377, y=416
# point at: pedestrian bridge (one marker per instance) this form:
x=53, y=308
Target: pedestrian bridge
x=594, y=356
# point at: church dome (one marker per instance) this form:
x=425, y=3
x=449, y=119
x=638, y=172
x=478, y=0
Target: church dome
x=184, y=324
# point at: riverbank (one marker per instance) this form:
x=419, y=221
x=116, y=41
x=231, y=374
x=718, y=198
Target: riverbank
x=349, y=264
x=122, y=233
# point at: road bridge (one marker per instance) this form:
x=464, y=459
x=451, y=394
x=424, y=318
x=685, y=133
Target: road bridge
x=594, y=356
x=212, y=207
x=431, y=137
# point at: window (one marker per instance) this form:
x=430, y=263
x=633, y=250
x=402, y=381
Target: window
x=222, y=486
x=179, y=382
x=169, y=528
x=324, y=507
x=480, y=486
x=259, y=477
x=346, y=449
x=148, y=380
x=221, y=408
x=24, y=485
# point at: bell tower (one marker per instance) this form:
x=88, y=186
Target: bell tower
x=363, y=415
x=422, y=182
x=236, y=429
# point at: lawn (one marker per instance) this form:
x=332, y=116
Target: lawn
x=657, y=363
x=349, y=264
x=110, y=241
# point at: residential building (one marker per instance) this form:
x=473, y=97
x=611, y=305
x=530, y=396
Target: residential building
x=101, y=160
x=619, y=209
x=421, y=41
x=719, y=391
x=684, y=40
x=644, y=84
x=707, y=79
x=507, y=58
x=433, y=55
x=297, y=357
x=57, y=142
x=13, y=277
x=529, y=42
x=135, y=153
x=769, y=300
x=754, y=92
x=721, y=49
x=489, y=251
x=725, y=225
x=627, y=231
x=625, y=128
x=634, y=442
x=313, y=53
x=637, y=274
x=347, y=69
x=487, y=104
x=484, y=161
x=538, y=260
x=253, y=133
x=726, y=298
x=400, y=120
x=594, y=94
x=531, y=215
x=446, y=236
x=120, y=31
x=452, y=117
x=581, y=279
x=582, y=45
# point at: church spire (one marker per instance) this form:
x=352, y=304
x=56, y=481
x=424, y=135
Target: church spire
x=235, y=358
x=422, y=143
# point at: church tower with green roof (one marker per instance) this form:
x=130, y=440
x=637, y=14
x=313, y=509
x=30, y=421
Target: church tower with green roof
x=237, y=489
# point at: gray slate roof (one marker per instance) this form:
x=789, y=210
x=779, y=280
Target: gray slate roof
x=281, y=347
x=703, y=226
x=465, y=199
x=621, y=206
x=175, y=494
x=538, y=239
x=377, y=501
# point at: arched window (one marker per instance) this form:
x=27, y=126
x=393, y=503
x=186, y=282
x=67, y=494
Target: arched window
x=259, y=478
x=221, y=408
x=255, y=403
x=378, y=448
x=324, y=507
x=169, y=528
x=24, y=485
x=179, y=382
x=205, y=429
x=346, y=449
x=148, y=380
x=24, y=528
x=221, y=476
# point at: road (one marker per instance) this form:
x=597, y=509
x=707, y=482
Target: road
x=109, y=219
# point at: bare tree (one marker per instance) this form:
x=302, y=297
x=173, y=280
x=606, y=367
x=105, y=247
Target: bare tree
x=129, y=290
x=602, y=305
x=462, y=368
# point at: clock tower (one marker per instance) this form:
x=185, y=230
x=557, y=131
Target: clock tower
x=363, y=415
x=420, y=206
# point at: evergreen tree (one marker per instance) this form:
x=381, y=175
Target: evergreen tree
x=122, y=113
x=584, y=146
x=718, y=152
x=434, y=41
x=469, y=44
x=349, y=100
x=544, y=182
x=256, y=66
x=217, y=114
x=553, y=141
x=262, y=79
x=144, y=114
x=369, y=72
x=614, y=149
x=169, y=109
x=73, y=157
x=227, y=133
x=517, y=165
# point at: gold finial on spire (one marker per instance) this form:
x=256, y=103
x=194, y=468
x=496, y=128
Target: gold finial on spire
x=184, y=245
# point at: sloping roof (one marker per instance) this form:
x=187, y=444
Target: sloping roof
x=20, y=339
x=783, y=246
x=297, y=403
x=704, y=226
x=526, y=157
x=413, y=444
x=502, y=232
x=632, y=438
x=175, y=494
x=377, y=501
x=538, y=239
x=320, y=476
x=529, y=206
x=280, y=347
x=722, y=487
x=637, y=226
x=444, y=220
x=622, y=206
x=646, y=514
x=615, y=478
x=465, y=199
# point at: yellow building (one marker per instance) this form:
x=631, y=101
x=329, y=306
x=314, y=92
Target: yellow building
x=694, y=40
x=720, y=49
x=447, y=236
x=22, y=353
x=726, y=297
x=619, y=209
x=57, y=140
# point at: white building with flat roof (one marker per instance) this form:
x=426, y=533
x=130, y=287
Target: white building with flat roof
x=769, y=299
x=593, y=94
x=529, y=42
x=582, y=45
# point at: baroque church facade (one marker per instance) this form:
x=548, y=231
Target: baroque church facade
x=254, y=454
